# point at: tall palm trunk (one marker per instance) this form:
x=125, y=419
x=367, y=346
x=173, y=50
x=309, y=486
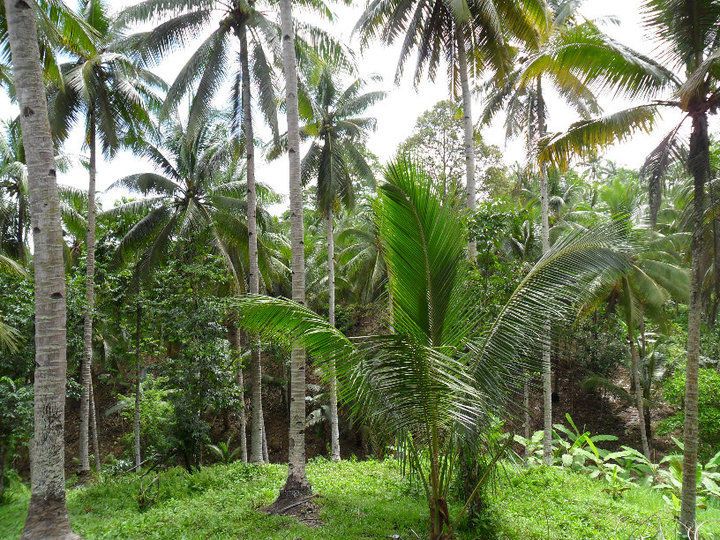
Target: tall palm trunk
x=256, y=428
x=334, y=429
x=699, y=165
x=637, y=382
x=138, y=387
x=545, y=236
x=20, y=232
x=297, y=484
x=86, y=367
x=94, y=430
x=47, y=515
x=236, y=349
x=468, y=133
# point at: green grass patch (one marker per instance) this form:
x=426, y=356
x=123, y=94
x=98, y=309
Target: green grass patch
x=358, y=500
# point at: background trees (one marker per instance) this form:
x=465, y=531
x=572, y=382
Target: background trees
x=417, y=332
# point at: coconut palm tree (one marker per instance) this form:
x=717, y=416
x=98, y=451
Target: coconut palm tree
x=360, y=255
x=13, y=180
x=654, y=278
x=115, y=96
x=333, y=119
x=9, y=335
x=47, y=515
x=297, y=487
x=258, y=42
x=60, y=30
x=436, y=376
x=467, y=34
x=688, y=46
x=522, y=96
x=200, y=190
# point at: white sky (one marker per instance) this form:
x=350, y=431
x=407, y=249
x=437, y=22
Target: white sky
x=397, y=113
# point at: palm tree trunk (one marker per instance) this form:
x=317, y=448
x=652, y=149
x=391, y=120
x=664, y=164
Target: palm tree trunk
x=47, y=515
x=468, y=134
x=236, y=349
x=297, y=485
x=545, y=234
x=266, y=455
x=85, y=370
x=94, y=430
x=334, y=429
x=256, y=430
x=138, y=388
x=20, y=233
x=639, y=401
x=699, y=165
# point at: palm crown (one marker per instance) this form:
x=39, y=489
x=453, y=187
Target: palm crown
x=200, y=189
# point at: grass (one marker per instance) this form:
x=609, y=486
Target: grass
x=359, y=500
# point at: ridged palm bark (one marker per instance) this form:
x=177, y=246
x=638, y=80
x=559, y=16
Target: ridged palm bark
x=468, y=137
x=297, y=484
x=699, y=165
x=541, y=119
x=47, y=514
x=256, y=425
x=235, y=347
x=86, y=364
x=332, y=385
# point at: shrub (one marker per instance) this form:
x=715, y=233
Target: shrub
x=708, y=405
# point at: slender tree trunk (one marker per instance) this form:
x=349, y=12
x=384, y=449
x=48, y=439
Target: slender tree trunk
x=334, y=429
x=86, y=366
x=236, y=349
x=256, y=454
x=21, y=224
x=138, y=387
x=639, y=401
x=545, y=234
x=699, y=165
x=47, y=515
x=646, y=383
x=266, y=455
x=94, y=430
x=297, y=485
x=468, y=133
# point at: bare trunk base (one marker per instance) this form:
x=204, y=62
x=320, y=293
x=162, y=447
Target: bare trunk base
x=84, y=477
x=48, y=520
x=296, y=499
x=440, y=520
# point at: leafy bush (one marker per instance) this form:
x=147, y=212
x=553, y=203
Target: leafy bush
x=16, y=415
x=156, y=413
x=708, y=408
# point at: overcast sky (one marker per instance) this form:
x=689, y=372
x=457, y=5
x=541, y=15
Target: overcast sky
x=397, y=113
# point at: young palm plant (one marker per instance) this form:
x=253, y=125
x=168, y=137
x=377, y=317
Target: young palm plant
x=687, y=80
x=333, y=120
x=437, y=375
